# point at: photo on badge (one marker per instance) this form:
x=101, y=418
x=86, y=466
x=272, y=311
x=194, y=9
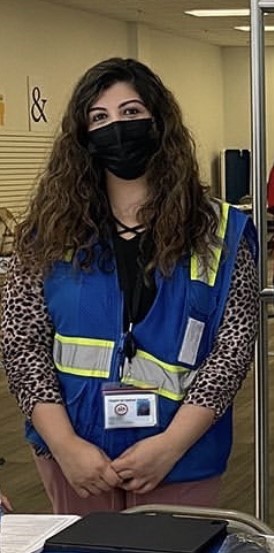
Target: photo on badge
x=143, y=407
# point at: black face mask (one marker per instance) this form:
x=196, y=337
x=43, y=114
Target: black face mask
x=124, y=147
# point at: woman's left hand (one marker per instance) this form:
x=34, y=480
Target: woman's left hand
x=144, y=465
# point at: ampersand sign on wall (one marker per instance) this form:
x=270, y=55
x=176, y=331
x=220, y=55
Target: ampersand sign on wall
x=38, y=104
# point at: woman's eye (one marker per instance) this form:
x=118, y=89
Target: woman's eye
x=131, y=111
x=98, y=117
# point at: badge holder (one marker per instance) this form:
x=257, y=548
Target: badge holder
x=129, y=407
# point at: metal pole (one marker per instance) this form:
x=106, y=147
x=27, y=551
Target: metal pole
x=259, y=213
x=266, y=5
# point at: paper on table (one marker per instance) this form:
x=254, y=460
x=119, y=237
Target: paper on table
x=28, y=533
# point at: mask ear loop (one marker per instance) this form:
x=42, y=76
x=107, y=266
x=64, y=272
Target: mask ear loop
x=158, y=128
x=154, y=124
x=157, y=134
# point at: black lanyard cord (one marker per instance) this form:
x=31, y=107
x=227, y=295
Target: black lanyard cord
x=130, y=347
x=132, y=297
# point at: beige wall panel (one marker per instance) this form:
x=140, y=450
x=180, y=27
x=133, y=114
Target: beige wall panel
x=55, y=44
x=236, y=67
x=193, y=71
x=22, y=157
x=237, y=107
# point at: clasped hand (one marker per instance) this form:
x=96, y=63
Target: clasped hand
x=140, y=468
x=144, y=465
x=87, y=468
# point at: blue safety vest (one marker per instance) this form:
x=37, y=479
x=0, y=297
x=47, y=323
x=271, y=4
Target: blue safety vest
x=172, y=341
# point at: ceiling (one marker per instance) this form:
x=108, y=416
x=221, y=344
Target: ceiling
x=168, y=15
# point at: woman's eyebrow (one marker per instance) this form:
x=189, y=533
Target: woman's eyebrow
x=97, y=107
x=134, y=100
x=123, y=104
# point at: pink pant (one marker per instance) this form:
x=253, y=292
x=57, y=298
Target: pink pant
x=64, y=499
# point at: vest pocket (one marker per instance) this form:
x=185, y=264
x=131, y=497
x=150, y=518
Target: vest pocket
x=84, y=405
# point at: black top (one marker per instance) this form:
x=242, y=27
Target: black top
x=127, y=253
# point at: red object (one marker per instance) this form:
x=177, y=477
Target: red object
x=270, y=191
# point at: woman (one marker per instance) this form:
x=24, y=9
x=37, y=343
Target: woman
x=129, y=286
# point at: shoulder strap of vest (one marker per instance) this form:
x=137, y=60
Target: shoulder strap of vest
x=197, y=270
x=233, y=225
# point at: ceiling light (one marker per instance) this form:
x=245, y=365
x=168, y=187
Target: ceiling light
x=218, y=13
x=246, y=28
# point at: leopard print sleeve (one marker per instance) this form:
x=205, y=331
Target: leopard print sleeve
x=221, y=375
x=27, y=339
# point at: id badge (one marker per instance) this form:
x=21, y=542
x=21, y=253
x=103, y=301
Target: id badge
x=130, y=408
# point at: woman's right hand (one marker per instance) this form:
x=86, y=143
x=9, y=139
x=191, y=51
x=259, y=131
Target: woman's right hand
x=4, y=502
x=86, y=467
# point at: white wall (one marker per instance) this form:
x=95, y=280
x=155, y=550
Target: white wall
x=236, y=71
x=54, y=46
x=193, y=71
x=237, y=103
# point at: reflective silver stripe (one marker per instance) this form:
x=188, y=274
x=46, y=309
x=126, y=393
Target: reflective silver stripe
x=87, y=357
x=82, y=356
x=170, y=381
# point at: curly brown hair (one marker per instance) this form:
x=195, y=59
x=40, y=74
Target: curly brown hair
x=70, y=209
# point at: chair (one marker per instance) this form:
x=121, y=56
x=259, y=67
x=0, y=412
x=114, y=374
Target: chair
x=7, y=227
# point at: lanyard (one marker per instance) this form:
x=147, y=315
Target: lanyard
x=132, y=296
x=132, y=303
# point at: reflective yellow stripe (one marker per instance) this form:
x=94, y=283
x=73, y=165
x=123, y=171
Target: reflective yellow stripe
x=82, y=372
x=166, y=366
x=84, y=341
x=145, y=371
x=224, y=218
x=212, y=273
x=68, y=256
x=83, y=356
x=197, y=271
x=194, y=267
x=159, y=391
x=90, y=357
